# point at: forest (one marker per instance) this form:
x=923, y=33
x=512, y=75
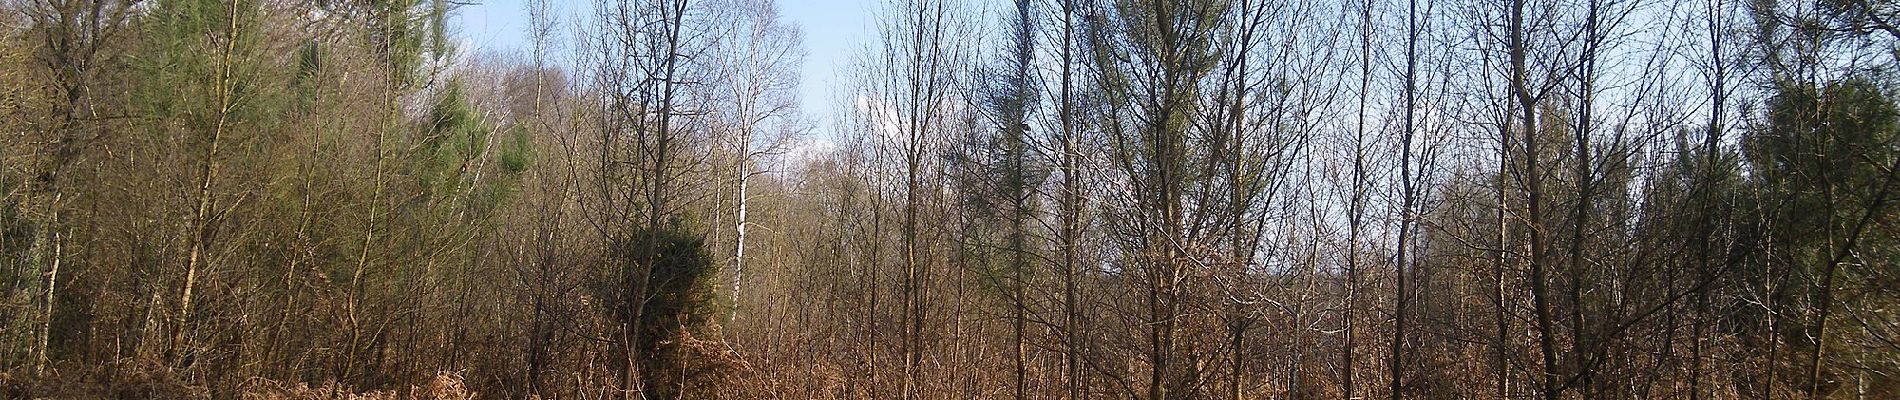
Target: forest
x=1013, y=199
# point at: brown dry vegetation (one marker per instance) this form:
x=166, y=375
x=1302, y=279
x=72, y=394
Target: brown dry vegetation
x=1178, y=199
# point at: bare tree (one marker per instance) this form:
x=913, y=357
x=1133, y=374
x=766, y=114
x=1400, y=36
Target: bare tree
x=760, y=63
x=907, y=99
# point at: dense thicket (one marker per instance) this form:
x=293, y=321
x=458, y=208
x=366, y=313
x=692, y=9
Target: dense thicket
x=1180, y=199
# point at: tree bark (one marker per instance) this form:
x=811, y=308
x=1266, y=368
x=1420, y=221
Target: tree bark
x=1409, y=187
x=207, y=173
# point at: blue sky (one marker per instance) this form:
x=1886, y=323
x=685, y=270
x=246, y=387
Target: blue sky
x=832, y=28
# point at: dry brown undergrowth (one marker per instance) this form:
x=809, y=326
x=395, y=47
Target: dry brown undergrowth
x=135, y=383
x=444, y=386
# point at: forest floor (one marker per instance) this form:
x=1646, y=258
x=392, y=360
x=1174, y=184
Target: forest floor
x=141, y=384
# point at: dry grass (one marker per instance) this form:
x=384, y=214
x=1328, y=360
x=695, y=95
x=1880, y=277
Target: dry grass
x=128, y=380
x=444, y=386
x=708, y=368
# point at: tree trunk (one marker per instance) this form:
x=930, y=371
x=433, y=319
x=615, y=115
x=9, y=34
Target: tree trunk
x=207, y=172
x=1527, y=106
x=1409, y=187
x=52, y=291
